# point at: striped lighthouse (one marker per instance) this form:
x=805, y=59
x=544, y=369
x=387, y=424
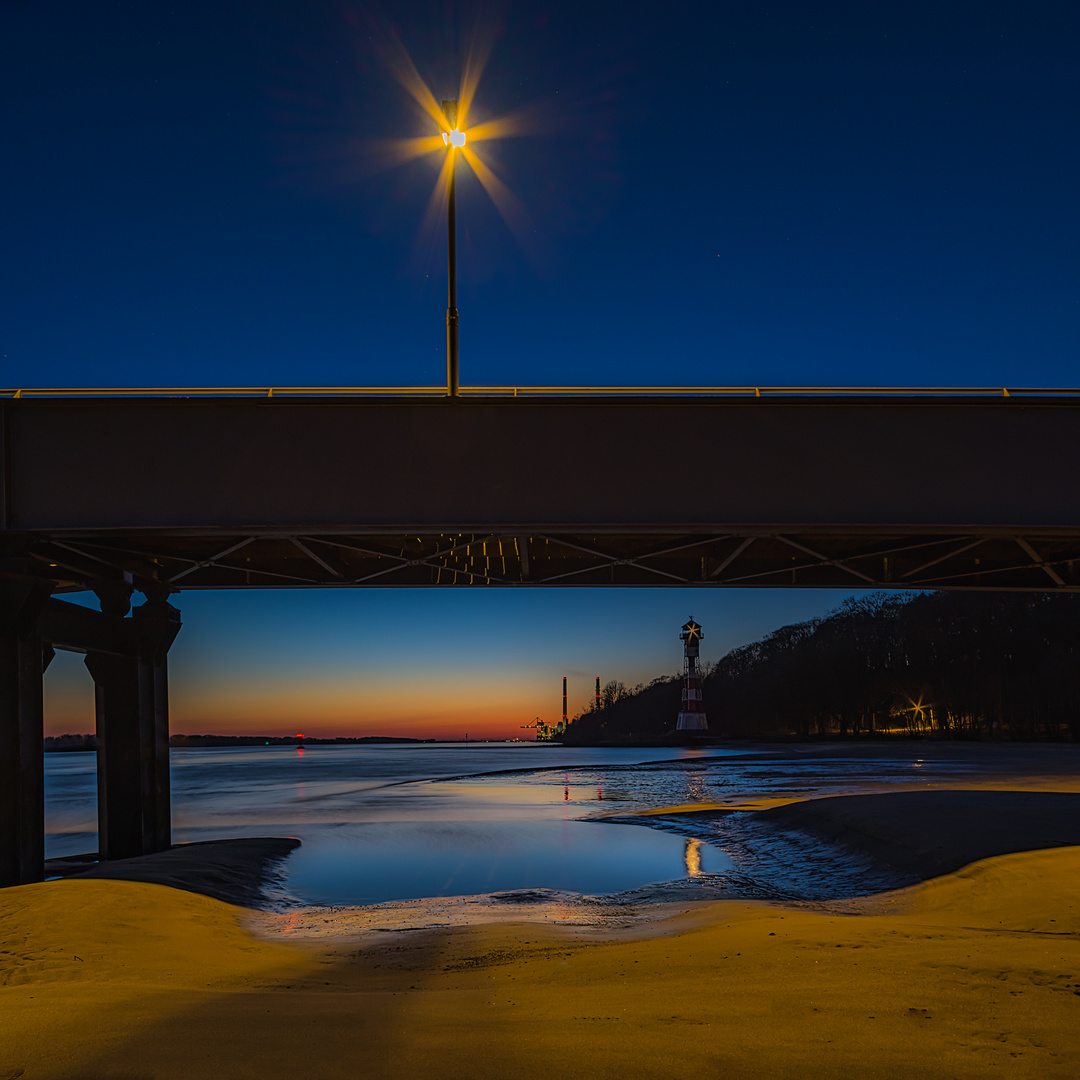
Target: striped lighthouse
x=692, y=713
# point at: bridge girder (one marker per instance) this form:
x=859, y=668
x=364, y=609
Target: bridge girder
x=759, y=558
x=894, y=491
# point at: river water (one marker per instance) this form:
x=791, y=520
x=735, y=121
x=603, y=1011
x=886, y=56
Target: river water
x=391, y=822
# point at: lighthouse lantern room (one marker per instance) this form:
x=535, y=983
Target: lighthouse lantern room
x=692, y=714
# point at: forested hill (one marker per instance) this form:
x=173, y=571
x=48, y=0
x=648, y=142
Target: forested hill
x=971, y=665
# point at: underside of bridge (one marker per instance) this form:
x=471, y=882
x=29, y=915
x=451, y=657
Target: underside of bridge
x=800, y=557
x=226, y=491
x=157, y=493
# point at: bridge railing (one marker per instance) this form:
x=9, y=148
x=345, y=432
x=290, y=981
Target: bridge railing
x=348, y=392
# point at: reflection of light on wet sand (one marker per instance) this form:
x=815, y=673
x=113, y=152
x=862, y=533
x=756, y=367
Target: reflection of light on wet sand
x=695, y=787
x=692, y=854
x=539, y=906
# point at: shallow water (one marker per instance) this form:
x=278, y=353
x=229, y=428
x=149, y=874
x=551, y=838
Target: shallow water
x=400, y=822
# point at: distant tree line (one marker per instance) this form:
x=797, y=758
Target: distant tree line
x=959, y=665
x=70, y=742
x=283, y=740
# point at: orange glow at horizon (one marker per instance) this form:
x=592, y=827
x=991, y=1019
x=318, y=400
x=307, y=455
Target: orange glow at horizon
x=437, y=706
x=442, y=708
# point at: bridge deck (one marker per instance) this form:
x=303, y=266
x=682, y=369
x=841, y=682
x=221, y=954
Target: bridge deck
x=748, y=488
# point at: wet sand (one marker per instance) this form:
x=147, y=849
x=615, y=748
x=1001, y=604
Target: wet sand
x=235, y=871
x=974, y=973
x=929, y=833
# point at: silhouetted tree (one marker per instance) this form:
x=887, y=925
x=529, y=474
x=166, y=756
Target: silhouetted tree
x=965, y=665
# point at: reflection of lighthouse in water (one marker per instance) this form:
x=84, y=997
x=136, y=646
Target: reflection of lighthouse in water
x=692, y=714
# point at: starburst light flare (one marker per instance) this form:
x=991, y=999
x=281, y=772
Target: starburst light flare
x=454, y=134
x=451, y=119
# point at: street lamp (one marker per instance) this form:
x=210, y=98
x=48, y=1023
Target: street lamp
x=452, y=140
x=448, y=115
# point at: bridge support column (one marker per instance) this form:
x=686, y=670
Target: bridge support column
x=23, y=659
x=131, y=698
x=156, y=625
x=122, y=755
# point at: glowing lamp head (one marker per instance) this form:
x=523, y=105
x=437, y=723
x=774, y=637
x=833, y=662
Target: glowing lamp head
x=453, y=137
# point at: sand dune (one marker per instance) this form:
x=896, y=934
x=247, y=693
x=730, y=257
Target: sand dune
x=928, y=833
x=972, y=974
x=231, y=870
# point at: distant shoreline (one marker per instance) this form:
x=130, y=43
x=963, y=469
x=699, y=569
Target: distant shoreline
x=74, y=743
x=88, y=742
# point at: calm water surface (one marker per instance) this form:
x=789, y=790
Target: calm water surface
x=405, y=821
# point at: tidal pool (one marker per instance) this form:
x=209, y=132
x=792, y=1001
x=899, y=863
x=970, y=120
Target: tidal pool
x=403, y=822
x=370, y=862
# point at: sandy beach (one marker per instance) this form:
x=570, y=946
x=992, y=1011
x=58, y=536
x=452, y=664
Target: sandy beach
x=974, y=972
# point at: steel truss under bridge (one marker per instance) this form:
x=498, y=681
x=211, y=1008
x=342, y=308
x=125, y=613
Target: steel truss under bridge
x=739, y=558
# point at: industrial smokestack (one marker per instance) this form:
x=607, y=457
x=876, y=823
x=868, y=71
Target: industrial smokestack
x=597, y=693
x=564, y=701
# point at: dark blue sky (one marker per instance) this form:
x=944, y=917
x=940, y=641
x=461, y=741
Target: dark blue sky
x=757, y=193
x=792, y=193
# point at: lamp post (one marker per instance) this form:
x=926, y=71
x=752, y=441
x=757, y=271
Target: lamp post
x=452, y=139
